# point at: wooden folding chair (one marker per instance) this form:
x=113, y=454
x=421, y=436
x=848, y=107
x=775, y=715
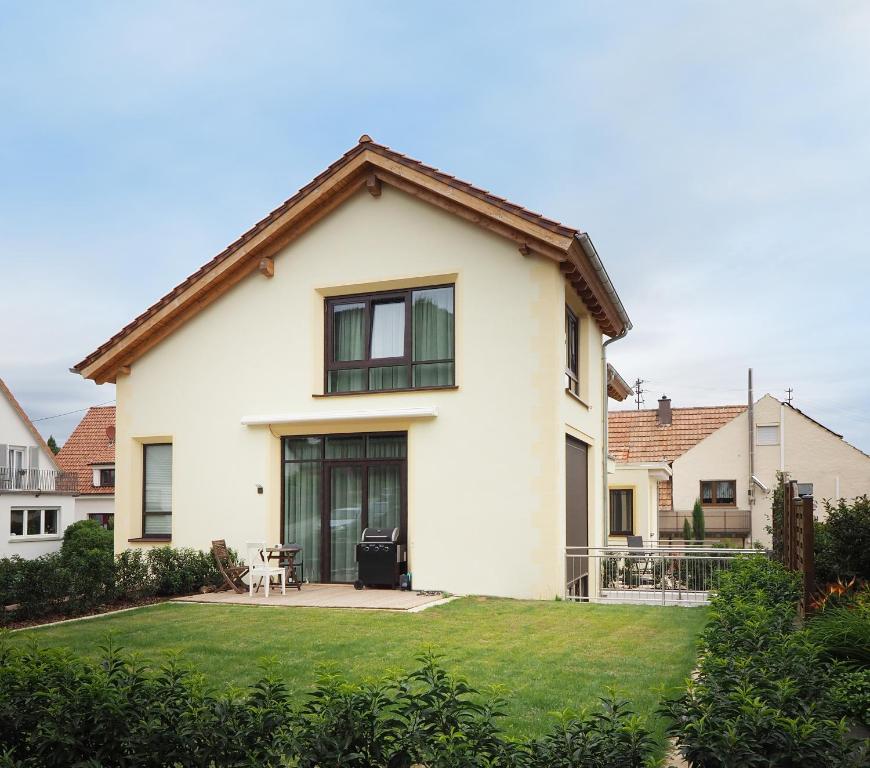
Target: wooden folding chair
x=229, y=568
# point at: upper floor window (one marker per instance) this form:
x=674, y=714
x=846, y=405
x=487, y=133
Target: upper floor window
x=719, y=492
x=391, y=340
x=572, y=352
x=767, y=434
x=107, y=477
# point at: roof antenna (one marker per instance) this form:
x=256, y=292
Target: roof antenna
x=789, y=392
x=638, y=392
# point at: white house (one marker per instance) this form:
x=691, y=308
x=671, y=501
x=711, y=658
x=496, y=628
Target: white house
x=36, y=499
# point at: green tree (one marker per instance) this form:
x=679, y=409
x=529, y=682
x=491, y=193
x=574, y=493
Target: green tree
x=777, y=509
x=698, y=533
x=52, y=443
x=687, y=530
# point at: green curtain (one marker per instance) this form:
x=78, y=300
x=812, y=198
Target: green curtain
x=433, y=336
x=345, y=516
x=387, y=447
x=345, y=447
x=348, y=331
x=388, y=377
x=302, y=513
x=385, y=496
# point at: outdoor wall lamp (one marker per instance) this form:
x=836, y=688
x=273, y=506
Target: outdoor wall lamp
x=260, y=489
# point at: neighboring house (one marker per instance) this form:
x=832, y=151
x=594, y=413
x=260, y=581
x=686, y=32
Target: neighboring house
x=708, y=450
x=89, y=454
x=390, y=347
x=36, y=498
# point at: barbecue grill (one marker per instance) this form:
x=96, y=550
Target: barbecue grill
x=380, y=557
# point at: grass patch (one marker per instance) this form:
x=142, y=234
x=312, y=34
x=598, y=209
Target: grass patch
x=546, y=656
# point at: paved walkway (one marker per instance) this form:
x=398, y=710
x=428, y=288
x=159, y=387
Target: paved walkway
x=322, y=596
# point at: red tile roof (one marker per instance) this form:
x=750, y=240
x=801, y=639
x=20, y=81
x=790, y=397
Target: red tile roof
x=637, y=436
x=89, y=444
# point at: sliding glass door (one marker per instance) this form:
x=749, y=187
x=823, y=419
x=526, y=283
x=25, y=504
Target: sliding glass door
x=334, y=487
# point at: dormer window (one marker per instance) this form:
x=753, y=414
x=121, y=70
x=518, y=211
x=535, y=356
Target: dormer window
x=391, y=340
x=103, y=475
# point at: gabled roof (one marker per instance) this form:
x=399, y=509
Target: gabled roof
x=368, y=165
x=90, y=443
x=637, y=435
x=34, y=432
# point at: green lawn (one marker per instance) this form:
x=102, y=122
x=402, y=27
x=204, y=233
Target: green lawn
x=549, y=656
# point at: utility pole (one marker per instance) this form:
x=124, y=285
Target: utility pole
x=789, y=392
x=751, y=418
x=638, y=392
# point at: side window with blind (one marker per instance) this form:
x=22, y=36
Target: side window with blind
x=157, y=490
x=390, y=340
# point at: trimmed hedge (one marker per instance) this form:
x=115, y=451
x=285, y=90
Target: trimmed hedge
x=85, y=575
x=765, y=695
x=59, y=710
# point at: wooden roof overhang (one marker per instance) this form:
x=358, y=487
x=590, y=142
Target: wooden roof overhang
x=368, y=165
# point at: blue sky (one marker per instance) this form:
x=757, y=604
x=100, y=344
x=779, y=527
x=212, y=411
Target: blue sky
x=717, y=153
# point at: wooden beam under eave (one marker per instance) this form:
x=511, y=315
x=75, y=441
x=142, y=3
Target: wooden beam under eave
x=373, y=185
x=267, y=266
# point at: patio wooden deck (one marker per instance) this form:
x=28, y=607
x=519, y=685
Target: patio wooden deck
x=323, y=596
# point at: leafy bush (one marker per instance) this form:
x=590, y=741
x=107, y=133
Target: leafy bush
x=698, y=523
x=852, y=691
x=842, y=541
x=59, y=710
x=764, y=693
x=84, y=575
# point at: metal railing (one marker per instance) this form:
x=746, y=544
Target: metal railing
x=36, y=481
x=721, y=520
x=650, y=574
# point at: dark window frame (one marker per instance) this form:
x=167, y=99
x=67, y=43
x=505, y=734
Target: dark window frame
x=364, y=462
x=572, y=351
x=714, y=502
x=366, y=364
x=630, y=492
x=162, y=536
x=102, y=477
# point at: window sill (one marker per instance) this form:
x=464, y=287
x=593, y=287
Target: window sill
x=575, y=396
x=150, y=539
x=38, y=537
x=404, y=391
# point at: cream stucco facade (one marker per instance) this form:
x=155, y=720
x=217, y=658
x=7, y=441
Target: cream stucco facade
x=791, y=442
x=642, y=479
x=486, y=460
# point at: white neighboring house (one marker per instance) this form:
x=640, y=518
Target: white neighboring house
x=89, y=454
x=37, y=500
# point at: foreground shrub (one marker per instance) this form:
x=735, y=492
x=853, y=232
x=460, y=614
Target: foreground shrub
x=842, y=541
x=764, y=694
x=842, y=631
x=85, y=575
x=59, y=710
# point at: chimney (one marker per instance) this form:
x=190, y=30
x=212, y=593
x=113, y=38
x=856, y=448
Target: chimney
x=663, y=417
x=110, y=433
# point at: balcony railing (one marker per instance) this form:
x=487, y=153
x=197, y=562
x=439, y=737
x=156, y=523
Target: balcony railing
x=36, y=481
x=724, y=520
x=649, y=574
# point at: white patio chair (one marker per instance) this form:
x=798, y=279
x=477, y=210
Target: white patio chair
x=259, y=568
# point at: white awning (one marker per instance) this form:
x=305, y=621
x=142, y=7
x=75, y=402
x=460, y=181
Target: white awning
x=315, y=417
